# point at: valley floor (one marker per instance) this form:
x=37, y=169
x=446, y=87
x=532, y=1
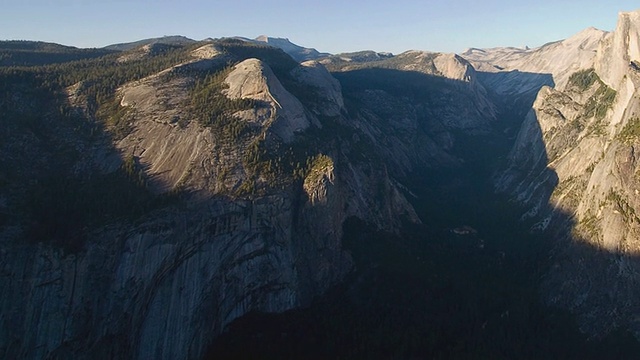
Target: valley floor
x=432, y=292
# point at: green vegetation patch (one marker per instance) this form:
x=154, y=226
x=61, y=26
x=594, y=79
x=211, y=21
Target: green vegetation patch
x=99, y=79
x=116, y=117
x=630, y=131
x=583, y=79
x=272, y=164
x=317, y=165
x=278, y=164
x=590, y=226
x=51, y=199
x=601, y=101
x=626, y=210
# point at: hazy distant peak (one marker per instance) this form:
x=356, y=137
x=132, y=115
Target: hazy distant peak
x=297, y=52
x=589, y=33
x=510, y=49
x=592, y=30
x=359, y=56
x=283, y=43
x=471, y=51
x=267, y=39
x=417, y=52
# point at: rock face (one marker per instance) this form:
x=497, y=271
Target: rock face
x=246, y=233
x=512, y=71
x=414, y=107
x=575, y=167
x=327, y=88
x=618, y=49
x=153, y=290
x=165, y=40
x=251, y=79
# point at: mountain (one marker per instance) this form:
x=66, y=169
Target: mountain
x=165, y=40
x=360, y=56
x=514, y=76
x=229, y=175
x=297, y=52
x=411, y=77
x=574, y=165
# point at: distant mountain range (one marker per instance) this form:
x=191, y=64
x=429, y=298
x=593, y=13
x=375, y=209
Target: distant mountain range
x=297, y=52
x=168, y=40
x=34, y=53
x=60, y=53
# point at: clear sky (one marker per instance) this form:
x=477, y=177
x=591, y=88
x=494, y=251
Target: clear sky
x=331, y=25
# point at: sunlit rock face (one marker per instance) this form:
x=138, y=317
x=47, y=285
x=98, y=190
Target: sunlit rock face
x=619, y=49
x=510, y=66
x=575, y=164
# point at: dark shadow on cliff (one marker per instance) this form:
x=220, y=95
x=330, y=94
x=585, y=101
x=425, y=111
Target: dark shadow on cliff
x=71, y=203
x=62, y=184
x=472, y=281
x=37, y=53
x=428, y=94
x=58, y=192
x=431, y=115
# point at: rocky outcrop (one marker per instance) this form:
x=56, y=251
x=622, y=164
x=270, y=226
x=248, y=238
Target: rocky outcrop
x=297, y=52
x=619, y=49
x=326, y=87
x=251, y=79
x=208, y=51
x=164, y=139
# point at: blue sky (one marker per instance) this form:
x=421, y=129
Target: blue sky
x=332, y=25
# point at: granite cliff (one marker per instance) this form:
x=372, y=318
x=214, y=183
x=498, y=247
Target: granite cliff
x=221, y=179
x=574, y=164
